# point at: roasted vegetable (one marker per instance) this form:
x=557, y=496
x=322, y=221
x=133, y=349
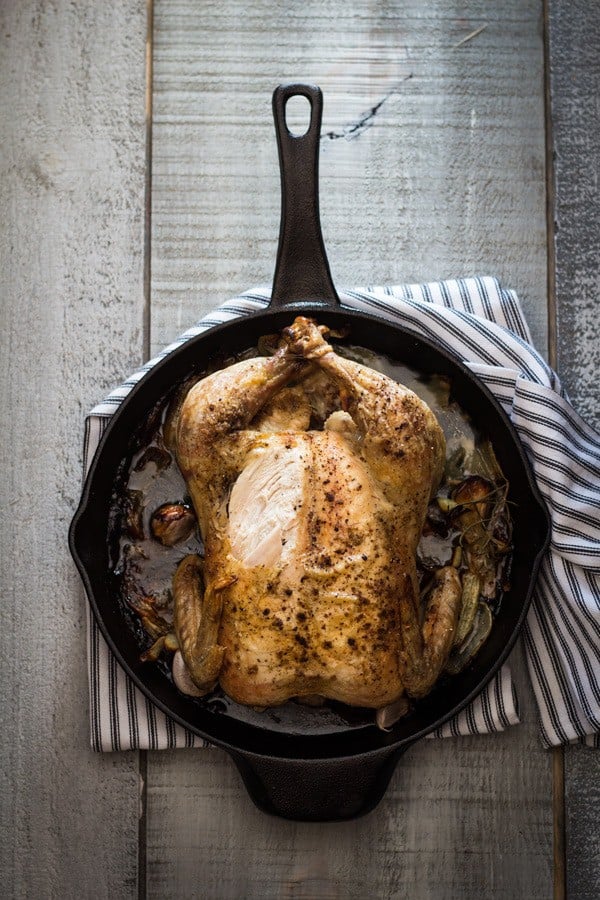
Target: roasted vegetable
x=164, y=642
x=145, y=606
x=480, y=632
x=153, y=454
x=133, y=509
x=481, y=516
x=470, y=505
x=470, y=601
x=171, y=523
x=474, y=513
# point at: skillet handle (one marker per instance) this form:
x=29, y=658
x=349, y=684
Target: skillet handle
x=318, y=790
x=302, y=273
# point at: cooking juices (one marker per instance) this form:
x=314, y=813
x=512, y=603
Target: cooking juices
x=467, y=526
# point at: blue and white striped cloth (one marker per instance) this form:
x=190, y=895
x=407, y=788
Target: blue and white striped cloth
x=482, y=324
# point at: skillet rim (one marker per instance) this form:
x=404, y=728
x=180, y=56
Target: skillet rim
x=385, y=742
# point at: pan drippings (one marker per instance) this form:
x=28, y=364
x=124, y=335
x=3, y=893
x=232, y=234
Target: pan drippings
x=467, y=527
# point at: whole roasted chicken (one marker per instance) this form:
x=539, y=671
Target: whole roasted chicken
x=310, y=476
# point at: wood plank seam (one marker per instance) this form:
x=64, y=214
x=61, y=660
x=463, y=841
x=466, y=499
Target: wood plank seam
x=146, y=326
x=558, y=760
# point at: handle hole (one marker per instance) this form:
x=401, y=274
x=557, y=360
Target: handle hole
x=297, y=115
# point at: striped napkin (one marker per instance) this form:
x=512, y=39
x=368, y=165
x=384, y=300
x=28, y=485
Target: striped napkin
x=483, y=324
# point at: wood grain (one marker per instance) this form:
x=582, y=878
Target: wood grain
x=71, y=194
x=582, y=801
x=574, y=39
x=446, y=177
x=574, y=71
x=461, y=818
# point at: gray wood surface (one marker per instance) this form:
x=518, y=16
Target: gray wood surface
x=461, y=818
x=574, y=45
x=574, y=41
x=447, y=180
x=72, y=191
x=445, y=177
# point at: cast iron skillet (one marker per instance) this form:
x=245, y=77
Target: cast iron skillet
x=303, y=763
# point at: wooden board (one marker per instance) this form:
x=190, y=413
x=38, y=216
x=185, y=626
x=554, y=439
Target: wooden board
x=435, y=167
x=72, y=192
x=462, y=818
x=446, y=177
x=575, y=84
x=574, y=52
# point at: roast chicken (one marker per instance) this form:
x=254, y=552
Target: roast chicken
x=310, y=475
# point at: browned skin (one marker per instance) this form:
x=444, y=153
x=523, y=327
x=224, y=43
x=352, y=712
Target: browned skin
x=333, y=608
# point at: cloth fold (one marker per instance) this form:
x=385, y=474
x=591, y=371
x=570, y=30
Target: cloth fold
x=483, y=324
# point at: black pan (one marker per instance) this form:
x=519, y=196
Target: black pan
x=297, y=762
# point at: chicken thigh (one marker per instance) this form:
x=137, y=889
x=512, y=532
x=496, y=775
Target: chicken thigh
x=309, y=583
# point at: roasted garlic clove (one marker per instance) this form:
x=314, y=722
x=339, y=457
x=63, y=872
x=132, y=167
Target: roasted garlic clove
x=171, y=523
x=387, y=716
x=182, y=679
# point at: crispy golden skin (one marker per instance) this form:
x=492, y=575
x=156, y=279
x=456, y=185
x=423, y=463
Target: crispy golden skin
x=309, y=583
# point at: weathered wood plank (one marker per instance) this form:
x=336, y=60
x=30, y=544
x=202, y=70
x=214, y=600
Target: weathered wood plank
x=72, y=195
x=574, y=43
x=582, y=801
x=448, y=179
x=461, y=818
x=574, y=53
